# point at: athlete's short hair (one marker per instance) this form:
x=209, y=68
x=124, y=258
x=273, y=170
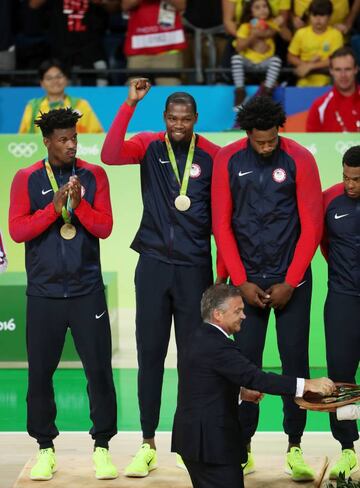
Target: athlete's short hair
x=181, y=97
x=352, y=157
x=61, y=118
x=261, y=113
x=216, y=297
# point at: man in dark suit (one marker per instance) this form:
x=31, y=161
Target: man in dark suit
x=212, y=369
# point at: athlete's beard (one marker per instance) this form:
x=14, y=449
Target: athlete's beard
x=268, y=155
x=180, y=146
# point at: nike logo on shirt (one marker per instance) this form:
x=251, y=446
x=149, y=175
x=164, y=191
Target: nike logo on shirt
x=44, y=192
x=246, y=173
x=340, y=216
x=99, y=316
x=163, y=162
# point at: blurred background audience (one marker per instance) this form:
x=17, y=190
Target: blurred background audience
x=54, y=79
x=106, y=42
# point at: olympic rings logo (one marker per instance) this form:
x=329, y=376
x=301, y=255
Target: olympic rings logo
x=22, y=149
x=342, y=146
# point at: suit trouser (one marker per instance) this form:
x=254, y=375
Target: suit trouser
x=342, y=332
x=292, y=329
x=205, y=475
x=47, y=323
x=163, y=291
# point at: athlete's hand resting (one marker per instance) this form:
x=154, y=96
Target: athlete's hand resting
x=280, y=294
x=254, y=295
x=138, y=88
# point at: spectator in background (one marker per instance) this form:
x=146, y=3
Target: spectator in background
x=32, y=39
x=155, y=36
x=338, y=17
x=311, y=46
x=353, y=26
x=54, y=79
x=76, y=31
x=114, y=42
x=232, y=11
x=7, y=41
x=346, y=26
x=205, y=35
x=256, y=47
x=338, y=110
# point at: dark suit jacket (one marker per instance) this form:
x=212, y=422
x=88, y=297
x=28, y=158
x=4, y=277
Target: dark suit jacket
x=211, y=370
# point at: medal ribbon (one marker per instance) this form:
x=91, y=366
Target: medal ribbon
x=66, y=211
x=185, y=181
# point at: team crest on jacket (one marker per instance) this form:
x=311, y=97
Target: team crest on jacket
x=195, y=171
x=279, y=175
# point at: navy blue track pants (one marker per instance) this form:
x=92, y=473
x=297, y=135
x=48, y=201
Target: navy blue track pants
x=47, y=322
x=342, y=332
x=292, y=329
x=163, y=292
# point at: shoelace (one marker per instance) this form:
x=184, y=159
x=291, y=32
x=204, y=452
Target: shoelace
x=147, y=453
x=43, y=452
x=298, y=456
x=102, y=449
x=104, y=452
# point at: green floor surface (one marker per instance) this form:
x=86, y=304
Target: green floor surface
x=73, y=409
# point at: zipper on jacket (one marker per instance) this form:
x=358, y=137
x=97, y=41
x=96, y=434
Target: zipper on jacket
x=261, y=184
x=171, y=240
x=63, y=255
x=357, y=242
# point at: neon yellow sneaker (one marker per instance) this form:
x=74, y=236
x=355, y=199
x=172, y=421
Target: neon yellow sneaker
x=249, y=466
x=347, y=464
x=104, y=468
x=45, y=466
x=296, y=467
x=144, y=461
x=180, y=463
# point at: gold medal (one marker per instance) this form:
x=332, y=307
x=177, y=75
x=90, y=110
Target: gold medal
x=182, y=203
x=68, y=231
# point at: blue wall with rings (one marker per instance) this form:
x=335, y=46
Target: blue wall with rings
x=215, y=104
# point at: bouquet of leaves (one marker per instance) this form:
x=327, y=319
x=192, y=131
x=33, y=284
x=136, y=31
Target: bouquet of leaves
x=344, y=394
x=343, y=483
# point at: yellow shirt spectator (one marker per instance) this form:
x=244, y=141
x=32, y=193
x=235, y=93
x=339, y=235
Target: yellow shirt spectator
x=308, y=46
x=276, y=7
x=54, y=80
x=340, y=10
x=254, y=56
x=88, y=122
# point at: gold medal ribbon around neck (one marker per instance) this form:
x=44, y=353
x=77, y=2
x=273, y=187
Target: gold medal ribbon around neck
x=190, y=157
x=68, y=230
